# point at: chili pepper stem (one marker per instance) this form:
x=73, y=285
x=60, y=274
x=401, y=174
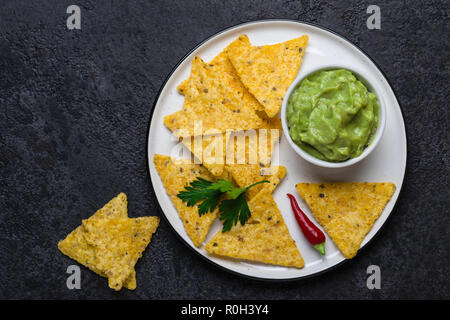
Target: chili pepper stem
x=320, y=247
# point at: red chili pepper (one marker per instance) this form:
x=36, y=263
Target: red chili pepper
x=314, y=235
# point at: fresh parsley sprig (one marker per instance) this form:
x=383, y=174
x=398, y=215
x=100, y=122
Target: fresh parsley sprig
x=201, y=189
x=208, y=193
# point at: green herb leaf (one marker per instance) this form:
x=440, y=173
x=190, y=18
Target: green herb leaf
x=234, y=210
x=231, y=210
x=198, y=190
x=222, y=185
x=236, y=192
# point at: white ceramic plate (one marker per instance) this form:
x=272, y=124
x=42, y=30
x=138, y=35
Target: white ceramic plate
x=386, y=163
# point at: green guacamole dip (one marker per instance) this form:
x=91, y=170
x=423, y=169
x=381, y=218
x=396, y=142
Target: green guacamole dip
x=332, y=116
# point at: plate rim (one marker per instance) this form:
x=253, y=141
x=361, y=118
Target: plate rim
x=158, y=94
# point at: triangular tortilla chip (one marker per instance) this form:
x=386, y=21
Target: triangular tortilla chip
x=247, y=174
x=346, y=210
x=119, y=243
x=212, y=100
x=264, y=238
x=210, y=150
x=176, y=174
x=77, y=248
x=253, y=146
x=268, y=71
x=221, y=63
x=216, y=152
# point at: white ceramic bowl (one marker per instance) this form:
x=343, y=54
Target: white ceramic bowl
x=366, y=152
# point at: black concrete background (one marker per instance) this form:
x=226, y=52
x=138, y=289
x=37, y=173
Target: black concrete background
x=75, y=106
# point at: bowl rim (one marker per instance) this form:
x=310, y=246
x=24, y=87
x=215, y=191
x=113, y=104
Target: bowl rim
x=381, y=118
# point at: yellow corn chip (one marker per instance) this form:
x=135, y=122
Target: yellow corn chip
x=77, y=248
x=268, y=71
x=247, y=174
x=264, y=238
x=213, y=104
x=119, y=243
x=346, y=210
x=253, y=146
x=210, y=151
x=216, y=152
x=221, y=63
x=176, y=174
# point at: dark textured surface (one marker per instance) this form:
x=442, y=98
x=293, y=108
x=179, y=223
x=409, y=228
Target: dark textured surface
x=74, y=112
